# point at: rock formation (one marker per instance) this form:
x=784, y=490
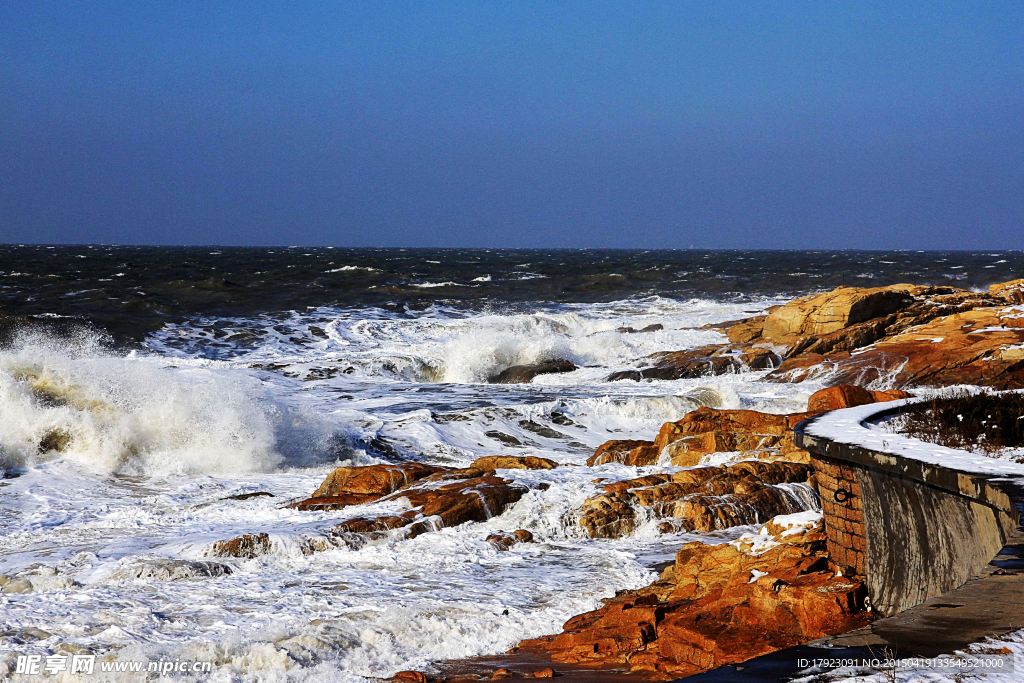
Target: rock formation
x=982, y=346
x=465, y=498
x=699, y=499
x=504, y=541
x=525, y=373
x=513, y=462
x=700, y=362
x=899, y=335
x=765, y=436
x=716, y=605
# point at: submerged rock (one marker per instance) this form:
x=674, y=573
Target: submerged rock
x=699, y=499
x=504, y=541
x=716, y=605
x=173, y=570
x=522, y=374
x=701, y=362
x=626, y=451
x=246, y=547
x=470, y=499
x=848, y=396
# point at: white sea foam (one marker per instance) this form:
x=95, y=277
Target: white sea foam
x=143, y=415
x=271, y=408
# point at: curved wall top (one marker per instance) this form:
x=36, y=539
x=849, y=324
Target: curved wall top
x=914, y=519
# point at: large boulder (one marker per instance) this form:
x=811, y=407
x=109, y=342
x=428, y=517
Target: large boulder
x=707, y=430
x=717, y=605
x=634, y=452
x=848, y=396
x=1012, y=291
x=699, y=499
x=513, y=462
x=355, y=485
x=832, y=311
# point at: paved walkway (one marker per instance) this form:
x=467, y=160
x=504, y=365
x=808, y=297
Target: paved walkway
x=990, y=605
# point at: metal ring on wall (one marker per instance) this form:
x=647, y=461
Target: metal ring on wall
x=842, y=495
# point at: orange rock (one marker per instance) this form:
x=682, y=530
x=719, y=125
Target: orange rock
x=1012, y=291
x=832, y=311
x=848, y=396
x=246, y=546
x=707, y=430
x=513, y=462
x=411, y=677
x=628, y=452
x=980, y=346
x=354, y=485
x=699, y=499
x=711, y=609
x=504, y=541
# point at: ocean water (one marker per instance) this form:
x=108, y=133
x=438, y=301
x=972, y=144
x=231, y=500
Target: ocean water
x=181, y=377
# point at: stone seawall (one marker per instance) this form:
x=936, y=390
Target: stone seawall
x=912, y=528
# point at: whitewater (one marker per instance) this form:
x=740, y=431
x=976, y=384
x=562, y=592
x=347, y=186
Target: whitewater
x=105, y=545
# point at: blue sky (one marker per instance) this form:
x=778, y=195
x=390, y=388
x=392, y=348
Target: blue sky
x=554, y=124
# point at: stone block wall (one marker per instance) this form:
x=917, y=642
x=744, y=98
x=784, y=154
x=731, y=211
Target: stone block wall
x=843, y=511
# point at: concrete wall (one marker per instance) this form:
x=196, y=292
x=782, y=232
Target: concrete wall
x=911, y=530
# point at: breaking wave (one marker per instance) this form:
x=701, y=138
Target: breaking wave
x=141, y=415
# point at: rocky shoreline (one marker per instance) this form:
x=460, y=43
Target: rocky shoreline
x=715, y=604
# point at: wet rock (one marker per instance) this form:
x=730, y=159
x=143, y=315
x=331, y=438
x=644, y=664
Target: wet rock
x=562, y=420
x=474, y=499
x=522, y=374
x=513, y=462
x=173, y=570
x=650, y=328
x=355, y=485
x=541, y=430
x=246, y=546
x=55, y=440
x=699, y=499
x=411, y=677
x=627, y=451
x=668, y=365
x=707, y=430
x=716, y=605
x=704, y=361
x=248, y=496
x=504, y=541
x=504, y=438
